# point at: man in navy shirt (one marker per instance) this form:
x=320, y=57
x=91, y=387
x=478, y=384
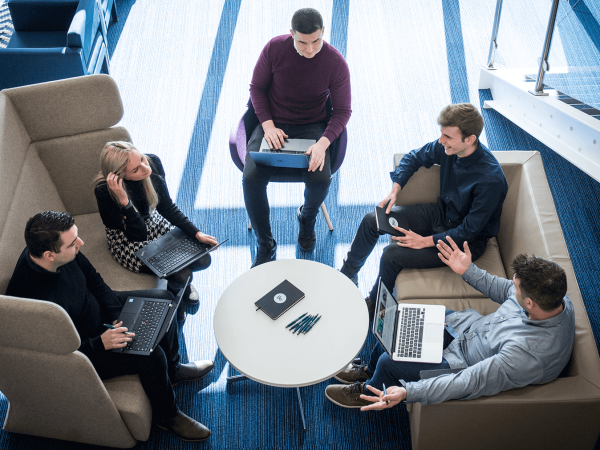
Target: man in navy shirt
x=472, y=191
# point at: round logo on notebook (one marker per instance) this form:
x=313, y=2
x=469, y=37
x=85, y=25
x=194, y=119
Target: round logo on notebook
x=393, y=222
x=279, y=298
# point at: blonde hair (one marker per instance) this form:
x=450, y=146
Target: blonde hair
x=114, y=158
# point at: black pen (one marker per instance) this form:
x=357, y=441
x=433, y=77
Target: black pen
x=318, y=318
x=113, y=328
x=294, y=321
x=307, y=325
x=301, y=323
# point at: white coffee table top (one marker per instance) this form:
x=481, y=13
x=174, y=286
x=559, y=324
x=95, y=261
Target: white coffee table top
x=265, y=351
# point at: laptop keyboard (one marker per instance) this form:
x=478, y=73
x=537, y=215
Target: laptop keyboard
x=149, y=320
x=410, y=336
x=171, y=258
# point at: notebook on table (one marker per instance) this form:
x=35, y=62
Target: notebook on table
x=279, y=299
x=292, y=154
x=173, y=251
x=409, y=332
x=149, y=319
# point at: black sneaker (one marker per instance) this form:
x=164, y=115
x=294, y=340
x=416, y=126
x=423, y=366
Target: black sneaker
x=353, y=373
x=347, y=396
x=264, y=255
x=370, y=307
x=306, y=236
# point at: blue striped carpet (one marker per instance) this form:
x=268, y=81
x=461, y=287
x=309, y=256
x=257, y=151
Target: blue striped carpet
x=183, y=69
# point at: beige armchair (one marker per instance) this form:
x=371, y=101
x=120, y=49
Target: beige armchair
x=564, y=413
x=54, y=390
x=51, y=135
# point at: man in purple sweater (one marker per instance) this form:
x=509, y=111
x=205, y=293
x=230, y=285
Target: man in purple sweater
x=292, y=80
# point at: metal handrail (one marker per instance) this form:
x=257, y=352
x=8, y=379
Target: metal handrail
x=494, y=41
x=544, y=66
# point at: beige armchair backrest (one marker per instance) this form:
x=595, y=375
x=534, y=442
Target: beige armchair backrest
x=53, y=389
x=51, y=135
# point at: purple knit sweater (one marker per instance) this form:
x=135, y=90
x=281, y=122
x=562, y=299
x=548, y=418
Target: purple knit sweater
x=288, y=88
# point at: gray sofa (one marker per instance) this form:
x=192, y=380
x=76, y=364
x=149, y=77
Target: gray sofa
x=564, y=413
x=51, y=135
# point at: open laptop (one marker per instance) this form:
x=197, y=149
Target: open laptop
x=173, y=251
x=409, y=332
x=292, y=154
x=149, y=319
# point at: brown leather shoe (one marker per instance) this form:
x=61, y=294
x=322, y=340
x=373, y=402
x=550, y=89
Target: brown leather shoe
x=191, y=371
x=185, y=428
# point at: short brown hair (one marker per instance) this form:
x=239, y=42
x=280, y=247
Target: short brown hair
x=543, y=281
x=464, y=116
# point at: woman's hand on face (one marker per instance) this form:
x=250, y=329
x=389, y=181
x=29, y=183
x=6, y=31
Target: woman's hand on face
x=115, y=184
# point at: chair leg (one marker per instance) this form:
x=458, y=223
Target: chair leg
x=326, y=215
x=114, y=13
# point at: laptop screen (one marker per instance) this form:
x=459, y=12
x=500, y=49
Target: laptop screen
x=384, y=323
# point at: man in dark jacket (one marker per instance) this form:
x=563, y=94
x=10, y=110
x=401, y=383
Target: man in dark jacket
x=472, y=192
x=52, y=268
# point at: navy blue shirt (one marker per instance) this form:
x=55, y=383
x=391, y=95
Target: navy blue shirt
x=472, y=190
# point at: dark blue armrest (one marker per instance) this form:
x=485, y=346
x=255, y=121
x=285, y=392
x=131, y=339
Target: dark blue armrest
x=29, y=66
x=84, y=26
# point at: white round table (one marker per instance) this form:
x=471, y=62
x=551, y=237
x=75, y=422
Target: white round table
x=265, y=351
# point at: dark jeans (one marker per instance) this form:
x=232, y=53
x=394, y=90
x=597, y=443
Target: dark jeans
x=176, y=281
x=256, y=178
x=425, y=220
x=153, y=370
x=384, y=370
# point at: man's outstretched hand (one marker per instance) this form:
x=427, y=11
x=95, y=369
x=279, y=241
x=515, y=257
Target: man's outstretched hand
x=395, y=395
x=453, y=257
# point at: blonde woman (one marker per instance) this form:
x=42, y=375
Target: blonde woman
x=136, y=208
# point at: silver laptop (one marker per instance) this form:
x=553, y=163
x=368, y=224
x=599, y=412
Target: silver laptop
x=292, y=154
x=409, y=332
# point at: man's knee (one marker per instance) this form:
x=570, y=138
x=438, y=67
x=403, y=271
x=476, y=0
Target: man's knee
x=318, y=179
x=369, y=221
x=159, y=293
x=253, y=178
x=393, y=255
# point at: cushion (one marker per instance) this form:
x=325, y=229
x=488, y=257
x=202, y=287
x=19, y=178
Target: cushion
x=482, y=305
x=442, y=282
x=95, y=248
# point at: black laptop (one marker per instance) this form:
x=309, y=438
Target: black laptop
x=173, y=251
x=149, y=319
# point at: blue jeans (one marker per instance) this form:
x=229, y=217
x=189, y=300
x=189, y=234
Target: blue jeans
x=384, y=370
x=256, y=178
x=423, y=219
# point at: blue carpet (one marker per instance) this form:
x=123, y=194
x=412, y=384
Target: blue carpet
x=183, y=69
